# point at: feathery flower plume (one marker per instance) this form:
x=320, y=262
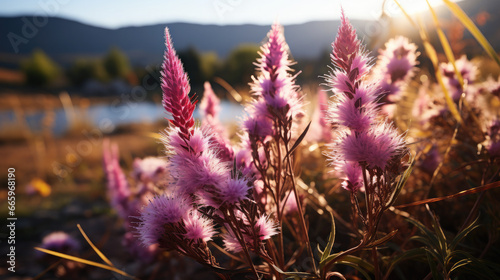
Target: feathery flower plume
x=118, y=187
x=160, y=211
x=353, y=178
x=60, y=241
x=265, y=228
x=209, y=110
x=175, y=87
x=363, y=141
x=231, y=243
x=210, y=103
x=396, y=65
x=467, y=69
x=493, y=139
x=234, y=190
x=275, y=88
x=198, y=227
x=149, y=169
x=193, y=161
x=320, y=129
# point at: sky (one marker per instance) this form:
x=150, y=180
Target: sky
x=109, y=14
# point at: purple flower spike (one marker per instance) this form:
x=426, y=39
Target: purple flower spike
x=231, y=243
x=175, y=87
x=265, y=228
x=275, y=85
x=118, y=187
x=209, y=109
x=493, y=139
x=60, y=242
x=321, y=128
x=467, y=69
x=234, y=190
x=364, y=141
x=395, y=67
x=198, y=227
x=353, y=176
x=346, y=46
x=160, y=211
x=210, y=103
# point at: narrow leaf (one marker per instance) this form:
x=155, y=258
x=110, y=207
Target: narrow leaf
x=410, y=254
x=469, y=24
x=300, y=275
x=446, y=45
x=433, y=267
x=357, y=267
x=454, y=243
x=103, y=257
x=382, y=240
x=296, y=144
x=331, y=240
x=84, y=261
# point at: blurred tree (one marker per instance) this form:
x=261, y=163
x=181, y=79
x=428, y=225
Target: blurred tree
x=83, y=70
x=39, y=69
x=191, y=59
x=239, y=65
x=116, y=63
x=210, y=63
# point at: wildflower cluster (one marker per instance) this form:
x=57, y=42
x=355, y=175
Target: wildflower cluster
x=252, y=203
x=205, y=191
x=396, y=65
x=368, y=151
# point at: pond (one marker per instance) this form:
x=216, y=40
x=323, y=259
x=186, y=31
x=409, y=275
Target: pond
x=108, y=115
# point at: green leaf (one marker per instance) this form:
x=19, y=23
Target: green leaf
x=446, y=45
x=443, y=246
x=433, y=266
x=432, y=240
x=459, y=264
x=359, y=261
x=401, y=183
x=294, y=275
x=469, y=24
x=382, y=240
x=321, y=252
x=454, y=243
x=410, y=254
x=357, y=267
x=296, y=144
x=331, y=240
x=437, y=257
x=478, y=267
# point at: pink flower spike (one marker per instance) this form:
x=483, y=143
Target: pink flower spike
x=353, y=176
x=231, y=242
x=210, y=103
x=160, y=211
x=346, y=45
x=60, y=242
x=467, y=69
x=198, y=227
x=117, y=184
x=375, y=147
x=321, y=127
x=149, y=169
x=265, y=228
x=234, y=190
x=175, y=87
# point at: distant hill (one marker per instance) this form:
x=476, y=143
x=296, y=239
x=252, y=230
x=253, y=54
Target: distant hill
x=64, y=39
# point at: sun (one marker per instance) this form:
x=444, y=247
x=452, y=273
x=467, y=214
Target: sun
x=417, y=6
